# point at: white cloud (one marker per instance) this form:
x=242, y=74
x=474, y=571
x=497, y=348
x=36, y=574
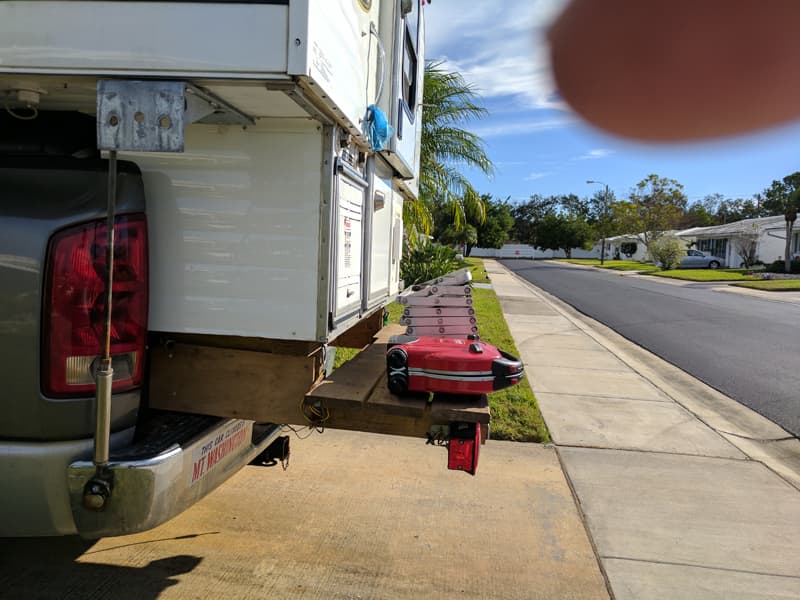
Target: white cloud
x=595, y=154
x=508, y=128
x=500, y=47
x=535, y=176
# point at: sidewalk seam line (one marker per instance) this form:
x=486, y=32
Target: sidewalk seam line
x=695, y=566
x=746, y=458
x=606, y=396
x=585, y=521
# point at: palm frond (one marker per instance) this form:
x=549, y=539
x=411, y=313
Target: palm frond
x=449, y=104
x=418, y=221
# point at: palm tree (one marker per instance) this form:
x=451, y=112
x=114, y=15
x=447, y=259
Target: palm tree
x=448, y=103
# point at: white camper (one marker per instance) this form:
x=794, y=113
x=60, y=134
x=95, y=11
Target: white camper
x=276, y=220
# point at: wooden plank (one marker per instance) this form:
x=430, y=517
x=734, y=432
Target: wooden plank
x=362, y=333
x=382, y=337
x=231, y=383
x=383, y=401
x=235, y=342
x=351, y=384
x=375, y=422
x=471, y=409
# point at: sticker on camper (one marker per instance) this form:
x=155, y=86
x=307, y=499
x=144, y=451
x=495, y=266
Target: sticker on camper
x=348, y=243
x=321, y=63
x=216, y=449
x=365, y=4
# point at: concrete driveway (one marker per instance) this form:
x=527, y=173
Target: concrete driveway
x=354, y=516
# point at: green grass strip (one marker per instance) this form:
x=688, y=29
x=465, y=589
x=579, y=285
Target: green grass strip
x=479, y=274
x=614, y=265
x=774, y=285
x=515, y=414
x=707, y=274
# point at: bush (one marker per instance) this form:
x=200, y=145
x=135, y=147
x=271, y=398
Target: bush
x=426, y=261
x=778, y=267
x=667, y=252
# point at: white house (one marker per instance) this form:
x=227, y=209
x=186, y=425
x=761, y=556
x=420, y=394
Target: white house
x=766, y=236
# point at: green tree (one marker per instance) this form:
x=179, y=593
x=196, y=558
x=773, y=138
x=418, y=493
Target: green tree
x=528, y=218
x=565, y=232
x=465, y=238
x=449, y=104
x=654, y=207
x=736, y=209
x=574, y=205
x=601, y=216
x=696, y=215
x=496, y=227
x=783, y=198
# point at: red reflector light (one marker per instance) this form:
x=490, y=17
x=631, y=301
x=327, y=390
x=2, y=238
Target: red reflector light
x=74, y=307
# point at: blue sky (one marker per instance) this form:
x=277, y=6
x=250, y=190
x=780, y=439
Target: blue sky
x=540, y=147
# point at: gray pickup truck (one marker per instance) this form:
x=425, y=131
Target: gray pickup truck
x=52, y=247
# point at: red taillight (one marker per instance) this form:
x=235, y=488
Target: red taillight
x=74, y=307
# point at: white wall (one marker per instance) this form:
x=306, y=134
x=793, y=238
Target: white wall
x=768, y=251
x=527, y=251
x=234, y=231
x=771, y=248
x=640, y=254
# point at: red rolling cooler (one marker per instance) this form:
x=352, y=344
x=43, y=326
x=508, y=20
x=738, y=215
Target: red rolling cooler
x=448, y=366
x=464, y=447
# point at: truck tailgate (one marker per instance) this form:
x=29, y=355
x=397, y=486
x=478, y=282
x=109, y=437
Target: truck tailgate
x=39, y=196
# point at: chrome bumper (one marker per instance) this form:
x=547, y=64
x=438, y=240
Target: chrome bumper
x=151, y=491
x=35, y=501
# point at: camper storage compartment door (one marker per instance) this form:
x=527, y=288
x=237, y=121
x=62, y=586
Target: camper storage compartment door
x=381, y=234
x=349, y=243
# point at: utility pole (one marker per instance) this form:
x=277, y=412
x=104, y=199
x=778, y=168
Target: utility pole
x=602, y=217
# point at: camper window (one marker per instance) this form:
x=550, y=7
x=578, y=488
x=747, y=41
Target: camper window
x=411, y=26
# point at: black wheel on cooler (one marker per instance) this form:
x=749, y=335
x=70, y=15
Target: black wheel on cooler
x=397, y=358
x=398, y=383
x=397, y=363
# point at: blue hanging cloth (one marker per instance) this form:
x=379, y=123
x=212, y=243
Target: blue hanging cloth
x=379, y=130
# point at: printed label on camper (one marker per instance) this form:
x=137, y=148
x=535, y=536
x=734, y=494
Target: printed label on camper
x=217, y=448
x=348, y=243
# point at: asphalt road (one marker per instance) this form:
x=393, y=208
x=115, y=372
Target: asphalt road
x=746, y=347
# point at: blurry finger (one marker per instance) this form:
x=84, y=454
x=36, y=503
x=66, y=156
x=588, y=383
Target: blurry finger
x=673, y=70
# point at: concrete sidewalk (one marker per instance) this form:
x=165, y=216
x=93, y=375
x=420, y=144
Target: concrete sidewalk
x=685, y=492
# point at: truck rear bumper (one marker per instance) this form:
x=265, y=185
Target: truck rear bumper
x=148, y=491
x=35, y=500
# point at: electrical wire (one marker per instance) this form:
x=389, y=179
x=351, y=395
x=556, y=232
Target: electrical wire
x=297, y=433
x=315, y=414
